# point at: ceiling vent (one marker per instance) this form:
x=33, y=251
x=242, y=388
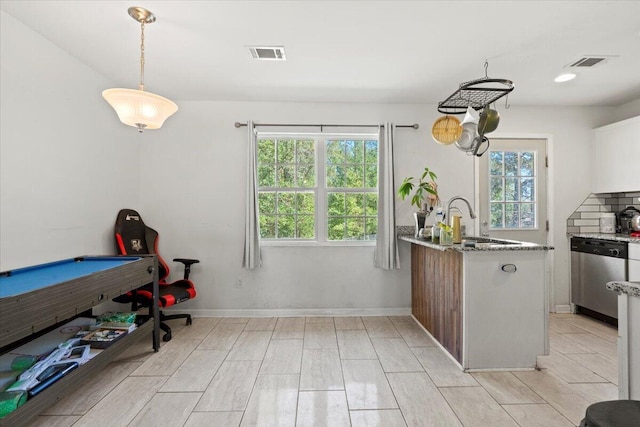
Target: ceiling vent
x=588, y=61
x=268, y=53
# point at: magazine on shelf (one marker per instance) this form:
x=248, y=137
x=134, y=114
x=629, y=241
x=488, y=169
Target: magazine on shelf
x=103, y=337
x=129, y=327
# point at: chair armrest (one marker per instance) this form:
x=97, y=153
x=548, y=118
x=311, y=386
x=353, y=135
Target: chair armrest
x=187, y=265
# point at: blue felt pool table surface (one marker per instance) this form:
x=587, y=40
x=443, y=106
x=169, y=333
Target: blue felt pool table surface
x=28, y=279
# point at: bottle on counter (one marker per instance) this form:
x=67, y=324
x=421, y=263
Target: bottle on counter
x=435, y=233
x=457, y=230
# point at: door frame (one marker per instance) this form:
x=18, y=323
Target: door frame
x=549, y=265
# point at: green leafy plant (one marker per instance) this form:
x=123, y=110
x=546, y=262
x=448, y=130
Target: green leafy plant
x=445, y=227
x=425, y=189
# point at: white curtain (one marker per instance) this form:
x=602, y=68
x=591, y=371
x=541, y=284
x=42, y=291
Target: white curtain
x=252, y=257
x=386, y=254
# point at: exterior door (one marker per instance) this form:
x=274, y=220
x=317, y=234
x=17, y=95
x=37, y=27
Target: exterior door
x=513, y=190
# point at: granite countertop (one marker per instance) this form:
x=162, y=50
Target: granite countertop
x=511, y=246
x=630, y=288
x=607, y=236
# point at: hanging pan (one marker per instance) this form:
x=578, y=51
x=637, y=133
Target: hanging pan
x=446, y=130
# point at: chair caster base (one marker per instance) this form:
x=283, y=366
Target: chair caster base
x=166, y=337
x=189, y=321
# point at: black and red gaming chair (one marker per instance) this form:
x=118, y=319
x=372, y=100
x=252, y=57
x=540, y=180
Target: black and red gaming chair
x=133, y=237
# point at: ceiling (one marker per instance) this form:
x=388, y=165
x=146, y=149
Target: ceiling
x=352, y=51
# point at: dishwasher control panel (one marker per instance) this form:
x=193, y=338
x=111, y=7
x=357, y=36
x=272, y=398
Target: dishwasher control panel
x=608, y=248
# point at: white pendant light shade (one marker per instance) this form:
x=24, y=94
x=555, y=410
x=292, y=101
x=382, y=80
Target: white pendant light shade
x=140, y=109
x=137, y=108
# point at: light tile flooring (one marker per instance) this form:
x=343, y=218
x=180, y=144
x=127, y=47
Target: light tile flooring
x=326, y=371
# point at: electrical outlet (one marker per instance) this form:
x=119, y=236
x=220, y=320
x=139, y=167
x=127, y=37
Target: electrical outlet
x=239, y=283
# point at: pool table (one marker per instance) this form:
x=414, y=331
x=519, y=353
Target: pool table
x=37, y=297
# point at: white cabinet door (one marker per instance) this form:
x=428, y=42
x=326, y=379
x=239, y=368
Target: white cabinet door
x=634, y=262
x=505, y=309
x=616, y=154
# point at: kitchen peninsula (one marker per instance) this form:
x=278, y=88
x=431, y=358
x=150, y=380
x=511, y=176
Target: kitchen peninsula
x=486, y=305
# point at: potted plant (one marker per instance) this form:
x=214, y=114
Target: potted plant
x=425, y=195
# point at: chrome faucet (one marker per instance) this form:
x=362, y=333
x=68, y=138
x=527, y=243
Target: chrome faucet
x=453, y=199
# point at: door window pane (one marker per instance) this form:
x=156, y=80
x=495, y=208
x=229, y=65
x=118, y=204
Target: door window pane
x=527, y=164
x=512, y=215
x=527, y=187
x=497, y=189
x=496, y=162
x=497, y=215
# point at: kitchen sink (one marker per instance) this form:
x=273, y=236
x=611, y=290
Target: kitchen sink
x=488, y=242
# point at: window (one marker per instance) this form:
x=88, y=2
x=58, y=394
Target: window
x=512, y=189
x=318, y=188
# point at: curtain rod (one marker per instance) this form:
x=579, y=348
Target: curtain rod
x=321, y=126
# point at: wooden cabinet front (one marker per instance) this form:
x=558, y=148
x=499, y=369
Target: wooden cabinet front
x=436, y=295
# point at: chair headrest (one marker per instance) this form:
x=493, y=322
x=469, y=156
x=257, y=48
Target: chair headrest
x=130, y=233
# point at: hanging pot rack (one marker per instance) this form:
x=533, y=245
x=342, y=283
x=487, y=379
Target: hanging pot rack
x=476, y=94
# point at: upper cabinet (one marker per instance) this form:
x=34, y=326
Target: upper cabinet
x=617, y=157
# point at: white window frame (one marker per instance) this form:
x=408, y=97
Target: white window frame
x=321, y=190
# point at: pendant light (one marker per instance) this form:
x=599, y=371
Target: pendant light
x=138, y=108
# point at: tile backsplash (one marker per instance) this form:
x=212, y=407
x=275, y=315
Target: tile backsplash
x=586, y=219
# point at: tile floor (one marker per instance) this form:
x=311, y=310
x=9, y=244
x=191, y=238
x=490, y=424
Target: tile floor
x=338, y=371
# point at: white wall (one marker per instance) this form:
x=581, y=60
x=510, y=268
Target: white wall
x=66, y=164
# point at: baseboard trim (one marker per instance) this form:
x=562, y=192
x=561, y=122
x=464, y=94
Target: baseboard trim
x=563, y=309
x=296, y=312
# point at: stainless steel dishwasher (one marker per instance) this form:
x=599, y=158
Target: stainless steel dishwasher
x=594, y=262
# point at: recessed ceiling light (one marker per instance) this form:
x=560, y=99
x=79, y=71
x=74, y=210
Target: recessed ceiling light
x=564, y=77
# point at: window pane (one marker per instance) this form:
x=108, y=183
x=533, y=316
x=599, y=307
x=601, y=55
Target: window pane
x=527, y=164
x=306, y=176
x=371, y=152
x=336, y=204
x=371, y=209
x=286, y=227
x=495, y=163
x=266, y=176
x=336, y=228
x=355, y=229
x=355, y=204
x=527, y=215
x=306, y=227
x=306, y=152
x=355, y=177
x=285, y=176
x=510, y=163
x=335, y=152
x=266, y=151
x=511, y=192
x=512, y=215
x=497, y=189
x=371, y=176
x=371, y=229
x=267, y=226
x=306, y=203
x=527, y=188
x=335, y=177
x=285, y=150
x=354, y=151
x=286, y=203
x=497, y=215
x=267, y=202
